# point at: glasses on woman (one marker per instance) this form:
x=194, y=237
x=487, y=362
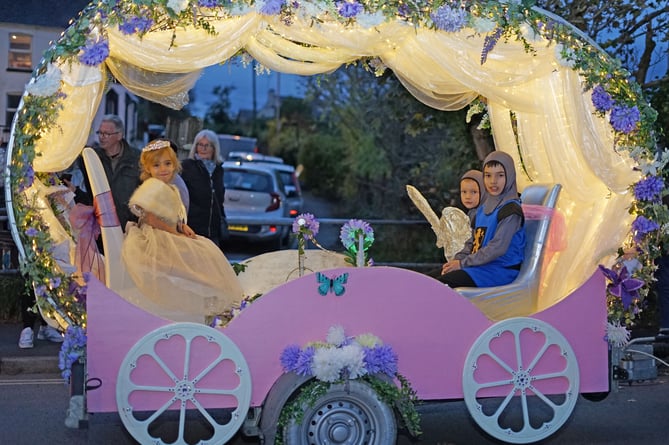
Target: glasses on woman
x=202, y=145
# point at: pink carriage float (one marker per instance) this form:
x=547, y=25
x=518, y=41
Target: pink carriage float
x=530, y=347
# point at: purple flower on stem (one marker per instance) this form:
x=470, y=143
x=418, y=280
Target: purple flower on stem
x=451, y=19
x=31, y=231
x=381, y=359
x=306, y=221
x=622, y=286
x=352, y=229
x=649, y=189
x=642, y=226
x=290, y=357
x=207, y=3
x=94, y=53
x=601, y=99
x=349, y=8
x=624, y=119
x=489, y=43
x=272, y=7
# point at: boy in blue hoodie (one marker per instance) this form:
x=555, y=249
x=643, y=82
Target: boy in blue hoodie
x=494, y=254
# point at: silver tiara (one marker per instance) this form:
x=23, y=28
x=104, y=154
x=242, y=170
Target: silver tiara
x=156, y=145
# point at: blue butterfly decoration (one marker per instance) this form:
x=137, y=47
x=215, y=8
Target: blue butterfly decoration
x=327, y=284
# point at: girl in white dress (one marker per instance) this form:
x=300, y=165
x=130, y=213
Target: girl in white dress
x=171, y=265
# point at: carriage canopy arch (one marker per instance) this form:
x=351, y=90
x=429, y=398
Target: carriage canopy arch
x=563, y=109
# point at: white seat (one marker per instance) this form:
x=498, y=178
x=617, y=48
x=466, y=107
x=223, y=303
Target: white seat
x=519, y=298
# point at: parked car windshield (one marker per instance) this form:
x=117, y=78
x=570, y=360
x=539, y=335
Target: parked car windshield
x=248, y=180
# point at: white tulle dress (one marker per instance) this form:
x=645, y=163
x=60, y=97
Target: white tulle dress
x=177, y=273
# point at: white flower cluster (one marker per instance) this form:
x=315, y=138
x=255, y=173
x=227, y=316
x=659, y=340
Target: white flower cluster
x=46, y=84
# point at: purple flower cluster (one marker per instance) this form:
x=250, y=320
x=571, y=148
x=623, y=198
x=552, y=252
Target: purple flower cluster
x=73, y=348
x=642, y=226
x=272, y=7
x=136, y=24
x=649, y=189
x=207, y=3
x=601, y=99
x=624, y=119
x=306, y=221
x=94, y=53
x=349, y=8
x=381, y=359
x=449, y=18
x=79, y=292
x=297, y=360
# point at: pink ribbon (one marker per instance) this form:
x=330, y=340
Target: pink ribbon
x=105, y=211
x=87, y=258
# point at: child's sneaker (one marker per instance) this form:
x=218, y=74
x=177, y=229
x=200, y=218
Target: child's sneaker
x=49, y=333
x=26, y=338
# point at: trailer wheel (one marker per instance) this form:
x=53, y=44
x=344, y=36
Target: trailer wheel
x=183, y=383
x=349, y=413
x=520, y=380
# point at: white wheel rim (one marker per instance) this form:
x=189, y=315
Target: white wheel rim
x=536, y=356
x=185, y=391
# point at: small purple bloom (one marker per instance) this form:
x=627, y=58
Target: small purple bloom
x=622, y=286
x=40, y=290
x=207, y=3
x=272, y=7
x=449, y=18
x=94, y=53
x=601, y=99
x=403, y=10
x=649, y=189
x=290, y=357
x=31, y=231
x=642, y=226
x=624, y=119
x=349, y=9
x=54, y=282
x=303, y=365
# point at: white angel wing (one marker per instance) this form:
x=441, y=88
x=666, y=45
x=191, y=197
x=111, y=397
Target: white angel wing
x=455, y=230
x=421, y=203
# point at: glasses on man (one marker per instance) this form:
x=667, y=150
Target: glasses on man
x=104, y=134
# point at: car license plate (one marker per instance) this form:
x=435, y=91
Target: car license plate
x=238, y=228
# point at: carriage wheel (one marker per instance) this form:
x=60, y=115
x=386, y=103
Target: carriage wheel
x=183, y=383
x=348, y=413
x=520, y=380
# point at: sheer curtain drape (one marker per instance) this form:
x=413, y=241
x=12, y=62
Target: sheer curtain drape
x=538, y=108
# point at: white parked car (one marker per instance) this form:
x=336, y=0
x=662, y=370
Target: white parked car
x=255, y=194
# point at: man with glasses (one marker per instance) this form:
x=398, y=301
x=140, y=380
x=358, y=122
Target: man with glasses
x=121, y=164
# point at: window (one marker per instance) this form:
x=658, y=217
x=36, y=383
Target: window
x=20, y=52
x=13, y=101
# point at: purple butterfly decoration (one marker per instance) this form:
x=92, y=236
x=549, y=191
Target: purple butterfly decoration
x=621, y=285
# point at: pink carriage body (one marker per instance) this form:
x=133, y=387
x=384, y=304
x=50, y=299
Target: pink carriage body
x=430, y=327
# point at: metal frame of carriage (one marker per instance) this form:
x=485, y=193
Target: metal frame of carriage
x=448, y=347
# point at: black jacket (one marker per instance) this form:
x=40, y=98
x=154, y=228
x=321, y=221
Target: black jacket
x=122, y=182
x=206, y=212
